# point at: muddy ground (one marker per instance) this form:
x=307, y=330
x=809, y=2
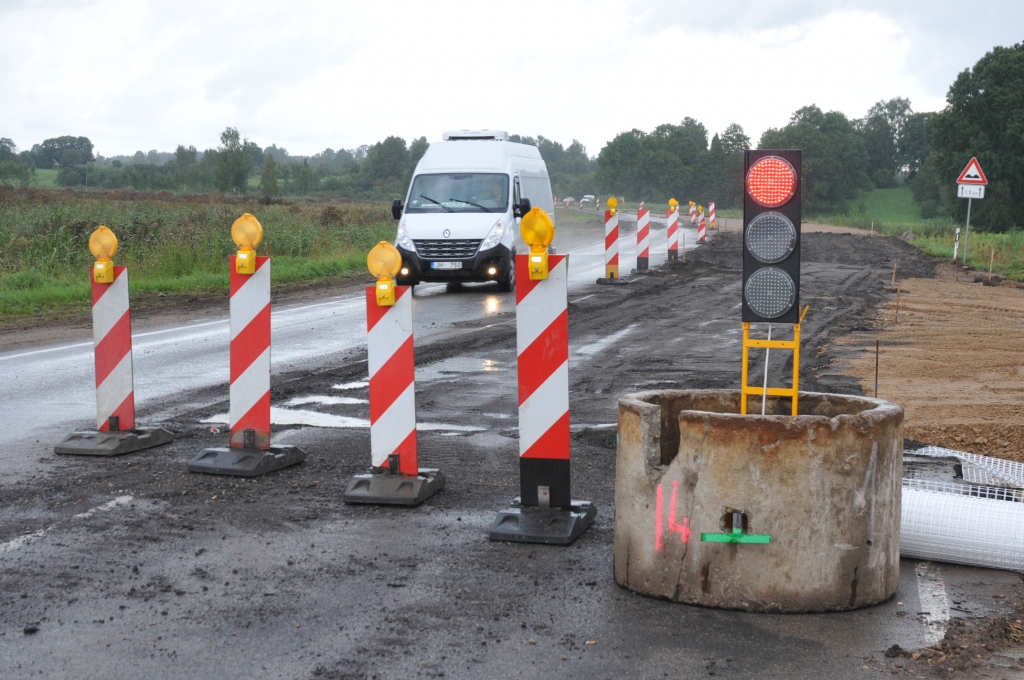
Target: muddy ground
x=276, y=577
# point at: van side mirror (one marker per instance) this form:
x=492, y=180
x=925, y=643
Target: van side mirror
x=396, y=208
x=521, y=208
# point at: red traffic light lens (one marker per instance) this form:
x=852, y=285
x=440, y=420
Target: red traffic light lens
x=771, y=181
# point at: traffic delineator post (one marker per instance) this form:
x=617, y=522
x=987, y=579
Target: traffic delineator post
x=693, y=214
x=672, y=230
x=249, y=452
x=611, y=244
x=643, y=239
x=702, y=227
x=545, y=511
x=115, y=432
x=395, y=477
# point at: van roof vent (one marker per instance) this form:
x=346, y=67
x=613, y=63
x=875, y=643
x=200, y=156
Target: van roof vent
x=457, y=135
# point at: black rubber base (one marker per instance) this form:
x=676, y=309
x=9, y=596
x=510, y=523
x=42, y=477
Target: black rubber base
x=553, y=526
x=383, y=488
x=245, y=462
x=673, y=256
x=642, y=264
x=95, y=443
x=612, y=282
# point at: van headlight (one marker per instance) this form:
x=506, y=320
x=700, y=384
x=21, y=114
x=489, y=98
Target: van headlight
x=494, y=237
x=402, y=240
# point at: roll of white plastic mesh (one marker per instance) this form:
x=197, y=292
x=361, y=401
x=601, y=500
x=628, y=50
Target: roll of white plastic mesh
x=962, y=529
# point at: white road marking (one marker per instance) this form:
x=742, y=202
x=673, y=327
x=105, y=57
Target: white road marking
x=25, y=539
x=605, y=342
x=931, y=591
x=109, y=505
x=572, y=302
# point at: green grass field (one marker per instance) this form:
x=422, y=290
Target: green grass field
x=893, y=212
x=173, y=245
x=45, y=178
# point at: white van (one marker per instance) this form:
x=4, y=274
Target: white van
x=460, y=216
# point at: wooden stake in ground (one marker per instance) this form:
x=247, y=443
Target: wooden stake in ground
x=876, y=369
x=682, y=239
x=991, y=259
x=872, y=227
x=894, y=264
x=898, y=303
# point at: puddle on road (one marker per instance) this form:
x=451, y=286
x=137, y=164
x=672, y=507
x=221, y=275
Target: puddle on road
x=456, y=365
x=350, y=385
x=287, y=416
x=325, y=399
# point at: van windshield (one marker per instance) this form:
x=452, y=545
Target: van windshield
x=459, y=192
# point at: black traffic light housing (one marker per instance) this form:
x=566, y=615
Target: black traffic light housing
x=772, y=238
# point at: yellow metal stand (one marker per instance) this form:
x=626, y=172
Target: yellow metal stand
x=794, y=344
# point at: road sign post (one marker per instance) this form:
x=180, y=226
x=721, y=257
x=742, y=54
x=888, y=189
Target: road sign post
x=249, y=452
x=395, y=477
x=970, y=185
x=116, y=432
x=545, y=511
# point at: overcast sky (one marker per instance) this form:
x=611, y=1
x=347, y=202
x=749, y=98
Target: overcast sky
x=132, y=75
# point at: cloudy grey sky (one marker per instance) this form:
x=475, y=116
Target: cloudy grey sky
x=132, y=74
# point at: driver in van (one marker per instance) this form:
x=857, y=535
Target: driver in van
x=495, y=196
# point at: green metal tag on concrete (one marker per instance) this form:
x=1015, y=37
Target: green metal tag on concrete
x=736, y=536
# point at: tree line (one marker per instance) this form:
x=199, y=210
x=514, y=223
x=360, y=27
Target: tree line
x=891, y=145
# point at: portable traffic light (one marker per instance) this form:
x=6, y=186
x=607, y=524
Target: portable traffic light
x=771, y=236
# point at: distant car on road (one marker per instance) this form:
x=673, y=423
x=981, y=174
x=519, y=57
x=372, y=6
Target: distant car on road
x=589, y=198
x=569, y=200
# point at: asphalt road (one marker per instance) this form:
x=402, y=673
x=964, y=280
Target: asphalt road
x=130, y=566
x=48, y=391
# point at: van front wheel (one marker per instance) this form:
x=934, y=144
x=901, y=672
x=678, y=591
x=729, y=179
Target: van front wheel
x=507, y=283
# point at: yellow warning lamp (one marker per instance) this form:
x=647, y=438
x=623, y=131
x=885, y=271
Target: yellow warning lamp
x=613, y=203
x=384, y=261
x=246, y=232
x=103, y=244
x=700, y=209
x=538, y=231
x=672, y=203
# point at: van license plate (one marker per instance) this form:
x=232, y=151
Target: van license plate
x=446, y=265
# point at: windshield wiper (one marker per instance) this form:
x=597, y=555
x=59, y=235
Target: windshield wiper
x=436, y=203
x=475, y=205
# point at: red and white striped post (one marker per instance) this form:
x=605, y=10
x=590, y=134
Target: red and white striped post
x=693, y=214
x=711, y=214
x=249, y=451
x=395, y=477
x=702, y=228
x=672, y=231
x=641, y=206
x=542, y=349
x=643, y=239
x=389, y=354
x=112, y=340
x=611, y=244
x=581, y=204
x=112, y=353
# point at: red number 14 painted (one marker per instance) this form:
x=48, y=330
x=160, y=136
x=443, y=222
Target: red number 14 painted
x=673, y=527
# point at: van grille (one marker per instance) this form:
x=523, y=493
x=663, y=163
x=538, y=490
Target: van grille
x=450, y=249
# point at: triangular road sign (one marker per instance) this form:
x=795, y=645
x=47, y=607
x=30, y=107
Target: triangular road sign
x=972, y=174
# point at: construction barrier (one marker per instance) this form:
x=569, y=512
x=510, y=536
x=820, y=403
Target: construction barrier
x=545, y=511
x=711, y=214
x=643, y=239
x=112, y=351
x=641, y=206
x=672, y=231
x=611, y=244
x=693, y=214
x=395, y=477
x=249, y=452
x=702, y=228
